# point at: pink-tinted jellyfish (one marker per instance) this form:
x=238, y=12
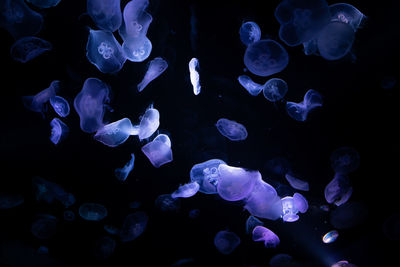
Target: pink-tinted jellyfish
x=300, y=202
x=338, y=190
x=158, y=151
x=105, y=13
x=251, y=223
x=289, y=210
x=28, y=48
x=226, y=242
x=270, y=239
x=206, y=174
x=343, y=263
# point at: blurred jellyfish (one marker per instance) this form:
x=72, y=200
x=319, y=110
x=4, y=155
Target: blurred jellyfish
x=338, y=190
x=226, y=242
x=281, y=260
x=251, y=223
x=104, y=247
x=252, y=87
x=289, y=210
x=48, y=191
x=249, y=33
x=155, y=68
x=391, y=227
x=186, y=190
x=182, y=262
x=44, y=3
x=275, y=89
x=44, y=226
x=134, y=204
x=122, y=173
x=43, y=250
x=388, y=82
x=105, y=13
x=37, y=102
x=194, y=75
x=111, y=229
x=133, y=226
x=136, y=20
x=158, y=152
x=59, y=131
x=194, y=213
x=206, y=174
x=300, y=202
x=343, y=264
x=167, y=203
x=310, y=47
x=297, y=183
x=28, y=48
x=60, y=106
x=69, y=215
x=8, y=201
x=270, y=239
x=278, y=166
x=115, y=133
x=90, y=104
x=104, y=51
x=137, y=49
x=348, y=215
x=299, y=111
x=330, y=237
x=232, y=130
x=324, y=208
x=345, y=160
x=346, y=13
x=92, y=211
x=265, y=57
x=149, y=123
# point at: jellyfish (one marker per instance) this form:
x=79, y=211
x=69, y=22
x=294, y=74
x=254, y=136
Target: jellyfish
x=186, y=190
x=104, y=51
x=343, y=264
x=137, y=49
x=266, y=57
x=105, y=13
x=90, y=104
x=345, y=160
x=8, y=201
x=289, y=210
x=270, y=239
x=167, y=203
x=206, y=174
x=37, y=102
x=226, y=242
x=338, y=190
x=330, y=237
x=115, y=133
x=278, y=166
x=249, y=33
x=122, y=173
x=48, y=191
x=194, y=75
x=158, y=152
x=134, y=204
x=182, y=262
x=44, y=3
x=92, y=211
x=44, y=226
x=391, y=227
x=251, y=223
x=348, y=215
x=275, y=89
x=60, y=106
x=133, y=226
x=310, y=47
x=281, y=260
x=155, y=68
x=112, y=230
x=28, y=48
x=346, y=13
x=104, y=247
x=299, y=111
x=149, y=123
x=232, y=130
x=69, y=215
x=43, y=250
x=388, y=82
x=136, y=20
x=194, y=213
x=297, y=183
x=300, y=202
x=252, y=87
x=59, y=131
x=18, y=19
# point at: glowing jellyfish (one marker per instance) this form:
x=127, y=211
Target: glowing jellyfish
x=232, y=130
x=348, y=215
x=136, y=20
x=206, y=174
x=28, y=48
x=249, y=33
x=60, y=106
x=275, y=89
x=59, y=131
x=330, y=237
x=48, y=191
x=155, y=68
x=149, y=123
x=90, y=104
x=343, y=264
x=105, y=13
x=297, y=183
x=18, y=19
x=92, y=211
x=122, y=173
x=345, y=160
x=252, y=87
x=167, y=203
x=391, y=227
x=37, y=102
x=265, y=57
x=111, y=229
x=104, y=51
x=44, y=226
x=299, y=111
x=280, y=260
x=251, y=223
x=194, y=75
x=226, y=242
x=8, y=201
x=300, y=202
x=44, y=3
x=194, y=213
x=270, y=239
x=186, y=190
x=158, y=152
x=133, y=226
x=346, y=13
x=115, y=133
x=104, y=247
x=289, y=210
x=69, y=215
x=338, y=190
x=137, y=49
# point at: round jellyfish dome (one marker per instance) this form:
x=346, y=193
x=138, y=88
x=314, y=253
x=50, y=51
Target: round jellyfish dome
x=249, y=32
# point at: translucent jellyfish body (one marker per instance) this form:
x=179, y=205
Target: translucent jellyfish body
x=44, y=226
x=338, y=190
x=194, y=213
x=252, y=87
x=251, y=223
x=149, y=123
x=92, y=211
x=167, y=203
x=133, y=226
x=330, y=237
x=158, y=152
x=186, y=190
x=60, y=106
x=137, y=49
x=115, y=133
x=206, y=174
x=249, y=33
x=59, y=131
x=37, y=102
x=90, y=104
x=43, y=250
x=28, y=48
x=289, y=210
x=275, y=89
x=105, y=13
x=232, y=130
x=346, y=13
x=194, y=75
x=226, y=242
x=104, y=51
x=48, y=191
x=122, y=173
x=299, y=111
x=343, y=263
x=44, y=3
x=263, y=234
x=104, y=247
x=136, y=20
x=297, y=183
x=345, y=160
x=280, y=260
x=155, y=68
x=69, y=215
x=8, y=201
x=265, y=57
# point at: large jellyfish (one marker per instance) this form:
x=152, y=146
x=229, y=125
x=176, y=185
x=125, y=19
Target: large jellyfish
x=167, y=203
x=155, y=68
x=251, y=223
x=299, y=111
x=338, y=190
x=252, y=87
x=44, y=3
x=345, y=160
x=8, y=201
x=158, y=151
x=330, y=237
x=59, y=131
x=270, y=239
x=232, y=130
x=122, y=173
x=60, y=106
x=194, y=75
x=133, y=226
x=249, y=33
x=44, y=226
x=90, y=104
x=266, y=57
x=186, y=190
x=28, y=48
x=115, y=133
x=49, y=191
x=297, y=183
x=92, y=211
x=149, y=123
x=275, y=89
x=226, y=242
x=105, y=13
x=206, y=174
x=37, y=102
x=346, y=13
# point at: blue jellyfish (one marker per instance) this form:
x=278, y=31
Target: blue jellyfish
x=252, y=87
x=297, y=183
x=92, y=211
x=330, y=237
x=270, y=239
x=155, y=68
x=206, y=174
x=137, y=49
x=28, y=48
x=43, y=250
x=194, y=213
x=59, y=131
x=346, y=13
x=345, y=160
x=134, y=204
x=299, y=111
x=249, y=33
x=226, y=242
x=388, y=82
x=194, y=75
x=300, y=202
x=104, y=247
x=136, y=20
x=115, y=133
x=149, y=123
x=280, y=260
x=69, y=215
x=338, y=190
x=167, y=203
x=278, y=166
x=251, y=223
x=186, y=190
x=44, y=226
x=105, y=13
x=60, y=106
x=111, y=229
x=232, y=130
x=37, y=102
x=311, y=47
x=44, y=3
x=158, y=152
x=133, y=226
x=8, y=201
x=275, y=89
x=122, y=173
x=49, y=191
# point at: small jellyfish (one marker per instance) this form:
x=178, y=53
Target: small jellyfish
x=155, y=68
x=105, y=13
x=44, y=226
x=338, y=190
x=252, y=87
x=297, y=183
x=111, y=229
x=28, y=48
x=194, y=75
x=310, y=47
x=232, y=130
x=133, y=226
x=92, y=211
x=43, y=250
x=299, y=111
x=206, y=174
x=346, y=13
x=330, y=237
x=251, y=223
x=345, y=160
x=348, y=215
x=194, y=213
x=275, y=89
x=59, y=131
x=44, y=3
x=49, y=191
x=300, y=202
x=281, y=260
x=136, y=20
x=149, y=123
x=186, y=190
x=122, y=173
x=137, y=49
x=249, y=33
x=8, y=201
x=343, y=264
x=37, y=102
x=115, y=133
x=158, y=152
x=167, y=203
x=226, y=242
x=270, y=239
x=266, y=57
x=90, y=104
x=60, y=106
x=104, y=51
x=69, y=215
x=104, y=248
x=289, y=210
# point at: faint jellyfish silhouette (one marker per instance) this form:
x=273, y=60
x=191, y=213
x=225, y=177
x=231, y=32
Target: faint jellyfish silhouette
x=226, y=242
x=105, y=13
x=251, y=223
x=69, y=215
x=343, y=263
x=60, y=106
x=44, y=3
x=59, y=131
x=186, y=190
x=49, y=191
x=345, y=160
x=297, y=183
x=278, y=166
x=92, y=211
x=275, y=89
x=391, y=227
x=338, y=190
x=206, y=174
x=388, y=82
x=28, y=48
x=194, y=213
x=183, y=262
x=299, y=111
x=252, y=87
x=158, y=152
x=44, y=226
x=133, y=226
x=37, y=102
x=232, y=130
x=43, y=250
x=281, y=260
x=168, y=204
x=330, y=237
x=134, y=204
x=8, y=201
x=122, y=173
x=115, y=133
x=194, y=75
x=111, y=229
x=270, y=239
x=155, y=68
x=348, y=215
x=104, y=248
